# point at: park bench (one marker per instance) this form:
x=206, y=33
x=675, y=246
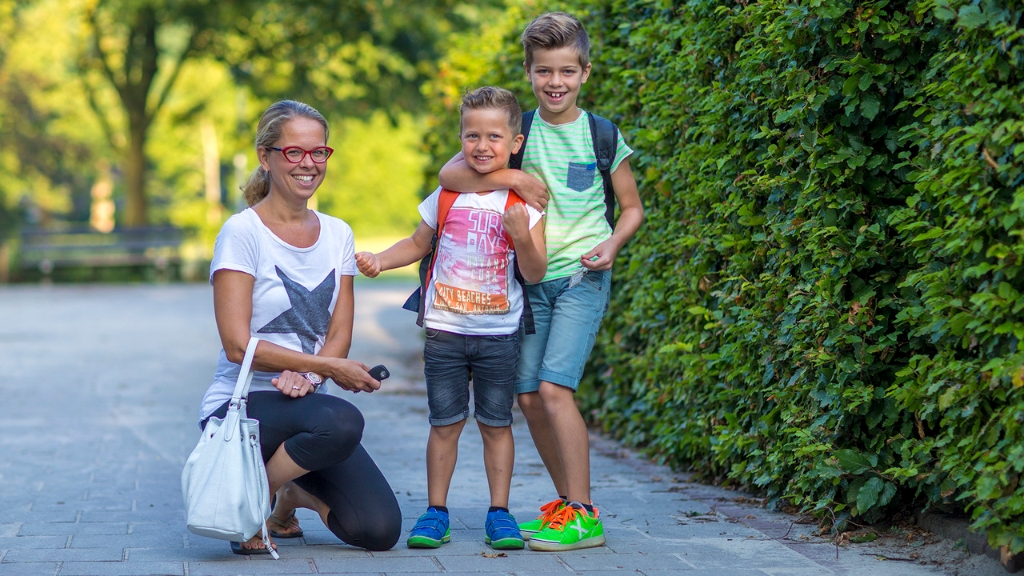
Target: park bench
x=152, y=246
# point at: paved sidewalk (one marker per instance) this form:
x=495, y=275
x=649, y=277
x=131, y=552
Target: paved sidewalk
x=98, y=408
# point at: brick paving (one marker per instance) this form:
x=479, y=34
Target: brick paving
x=99, y=403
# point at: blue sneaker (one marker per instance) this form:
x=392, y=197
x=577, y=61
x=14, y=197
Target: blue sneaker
x=502, y=531
x=430, y=531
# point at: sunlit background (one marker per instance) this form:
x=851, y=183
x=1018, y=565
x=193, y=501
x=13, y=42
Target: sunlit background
x=139, y=115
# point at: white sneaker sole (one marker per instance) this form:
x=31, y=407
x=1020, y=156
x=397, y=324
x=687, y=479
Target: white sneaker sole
x=546, y=546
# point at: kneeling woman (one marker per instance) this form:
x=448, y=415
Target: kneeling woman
x=283, y=273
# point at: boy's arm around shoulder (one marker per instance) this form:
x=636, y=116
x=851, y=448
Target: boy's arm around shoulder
x=531, y=250
x=457, y=176
x=631, y=216
x=404, y=252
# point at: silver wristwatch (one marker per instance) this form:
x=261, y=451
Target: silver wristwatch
x=314, y=380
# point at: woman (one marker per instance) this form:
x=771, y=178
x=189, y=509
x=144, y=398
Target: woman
x=283, y=273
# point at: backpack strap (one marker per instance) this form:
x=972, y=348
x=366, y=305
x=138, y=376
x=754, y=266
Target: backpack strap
x=605, y=135
x=516, y=160
x=511, y=201
x=417, y=301
x=527, y=317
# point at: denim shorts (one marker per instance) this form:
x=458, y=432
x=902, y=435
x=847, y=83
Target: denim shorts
x=452, y=360
x=566, y=321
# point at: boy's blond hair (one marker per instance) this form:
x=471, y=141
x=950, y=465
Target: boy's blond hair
x=556, y=30
x=491, y=97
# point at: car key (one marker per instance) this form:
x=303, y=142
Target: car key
x=379, y=372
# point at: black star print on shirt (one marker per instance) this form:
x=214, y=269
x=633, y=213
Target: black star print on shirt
x=310, y=314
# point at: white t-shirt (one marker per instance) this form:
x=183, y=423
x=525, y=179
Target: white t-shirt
x=294, y=292
x=473, y=289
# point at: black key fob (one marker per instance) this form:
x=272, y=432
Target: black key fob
x=379, y=372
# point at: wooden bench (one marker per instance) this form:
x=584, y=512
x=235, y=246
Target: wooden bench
x=158, y=247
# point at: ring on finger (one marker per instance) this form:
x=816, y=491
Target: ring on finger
x=295, y=387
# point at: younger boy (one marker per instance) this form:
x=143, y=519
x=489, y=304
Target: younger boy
x=571, y=300
x=473, y=305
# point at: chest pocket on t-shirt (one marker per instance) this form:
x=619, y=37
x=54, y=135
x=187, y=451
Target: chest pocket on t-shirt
x=581, y=176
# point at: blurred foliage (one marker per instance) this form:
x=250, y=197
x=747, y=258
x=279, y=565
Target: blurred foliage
x=81, y=80
x=375, y=175
x=488, y=55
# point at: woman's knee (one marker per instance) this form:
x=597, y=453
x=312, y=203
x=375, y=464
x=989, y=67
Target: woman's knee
x=334, y=431
x=339, y=422
x=384, y=537
x=377, y=534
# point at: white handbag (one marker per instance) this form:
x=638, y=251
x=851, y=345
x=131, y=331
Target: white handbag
x=224, y=482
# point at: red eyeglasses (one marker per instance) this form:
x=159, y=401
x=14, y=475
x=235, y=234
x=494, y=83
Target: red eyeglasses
x=295, y=154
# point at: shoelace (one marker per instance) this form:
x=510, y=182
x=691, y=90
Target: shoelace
x=563, y=517
x=548, y=510
x=566, y=515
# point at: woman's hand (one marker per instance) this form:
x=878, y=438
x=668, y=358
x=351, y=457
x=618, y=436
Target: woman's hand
x=292, y=384
x=352, y=375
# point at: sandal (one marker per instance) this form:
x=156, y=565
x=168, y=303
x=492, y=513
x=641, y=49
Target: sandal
x=252, y=550
x=290, y=525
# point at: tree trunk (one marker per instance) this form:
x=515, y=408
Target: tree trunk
x=136, y=207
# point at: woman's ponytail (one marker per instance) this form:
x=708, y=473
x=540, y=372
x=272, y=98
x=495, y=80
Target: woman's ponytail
x=256, y=187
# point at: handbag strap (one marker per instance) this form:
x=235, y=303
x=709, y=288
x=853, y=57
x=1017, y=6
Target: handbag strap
x=245, y=374
x=236, y=408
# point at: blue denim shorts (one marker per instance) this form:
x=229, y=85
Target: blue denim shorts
x=566, y=320
x=452, y=360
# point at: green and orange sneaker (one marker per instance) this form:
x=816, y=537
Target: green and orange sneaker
x=571, y=528
x=547, y=512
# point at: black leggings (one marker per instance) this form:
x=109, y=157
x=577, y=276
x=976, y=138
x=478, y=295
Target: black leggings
x=321, y=433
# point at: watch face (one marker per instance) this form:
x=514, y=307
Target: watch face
x=313, y=378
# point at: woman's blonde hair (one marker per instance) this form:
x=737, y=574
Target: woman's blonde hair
x=268, y=131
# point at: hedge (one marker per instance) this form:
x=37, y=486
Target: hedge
x=824, y=303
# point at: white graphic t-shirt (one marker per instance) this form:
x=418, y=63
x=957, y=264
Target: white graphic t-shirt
x=473, y=290
x=294, y=292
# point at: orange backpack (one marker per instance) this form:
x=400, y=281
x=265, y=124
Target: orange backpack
x=417, y=301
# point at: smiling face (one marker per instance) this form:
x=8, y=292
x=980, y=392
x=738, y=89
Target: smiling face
x=298, y=181
x=556, y=76
x=487, y=141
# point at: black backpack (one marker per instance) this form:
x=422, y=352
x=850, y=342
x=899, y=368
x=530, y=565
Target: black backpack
x=605, y=135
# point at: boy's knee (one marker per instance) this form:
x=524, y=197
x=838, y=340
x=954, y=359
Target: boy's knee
x=530, y=402
x=494, y=431
x=554, y=394
x=448, y=432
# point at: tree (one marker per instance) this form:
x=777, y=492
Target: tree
x=350, y=56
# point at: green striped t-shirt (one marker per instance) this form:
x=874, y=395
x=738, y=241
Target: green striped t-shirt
x=563, y=157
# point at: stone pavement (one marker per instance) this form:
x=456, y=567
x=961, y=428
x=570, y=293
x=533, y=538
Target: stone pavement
x=98, y=409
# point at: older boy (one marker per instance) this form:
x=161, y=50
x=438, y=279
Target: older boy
x=473, y=305
x=571, y=300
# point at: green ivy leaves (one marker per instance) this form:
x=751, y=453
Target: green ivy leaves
x=825, y=301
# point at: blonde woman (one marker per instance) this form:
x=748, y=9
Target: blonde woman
x=283, y=273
